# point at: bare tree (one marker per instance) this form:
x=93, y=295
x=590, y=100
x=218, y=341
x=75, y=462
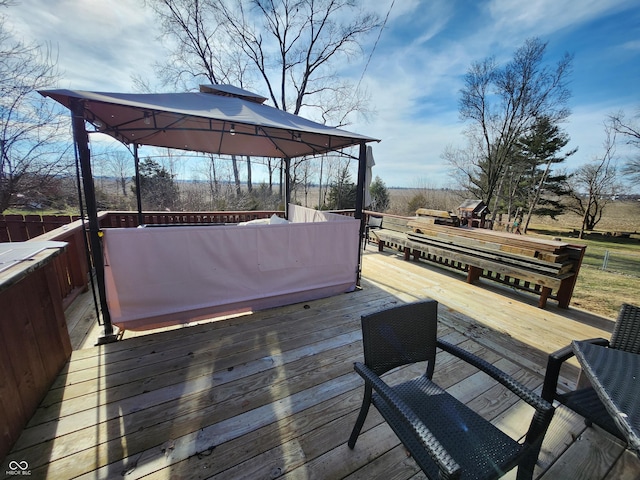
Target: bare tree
x=210, y=171
x=330, y=165
x=305, y=174
x=594, y=185
x=249, y=181
x=120, y=166
x=200, y=52
x=31, y=153
x=294, y=45
x=502, y=104
x=286, y=48
x=630, y=132
x=272, y=164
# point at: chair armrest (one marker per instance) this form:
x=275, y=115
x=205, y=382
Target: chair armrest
x=566, y=353
x=554, y=363
x=516, y=387
x=446, y=464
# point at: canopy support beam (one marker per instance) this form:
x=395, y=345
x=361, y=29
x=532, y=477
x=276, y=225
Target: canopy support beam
x=81, y=139
x=287, y=186
x=136, y=161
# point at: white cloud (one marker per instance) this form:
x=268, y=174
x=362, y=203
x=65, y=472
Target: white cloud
x=633, y=45
x=542, y=17
x=99, y=44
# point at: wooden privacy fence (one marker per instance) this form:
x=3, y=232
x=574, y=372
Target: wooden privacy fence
x=20, y=228
x=34, y=340
x=71, y=266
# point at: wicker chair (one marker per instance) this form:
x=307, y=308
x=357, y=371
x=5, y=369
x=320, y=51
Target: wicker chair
x=585, y=401
x=373, y=223
x=445, y=437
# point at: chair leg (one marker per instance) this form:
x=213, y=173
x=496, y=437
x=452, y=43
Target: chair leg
x=535, y=437
x=526, y=467
x=362, y=416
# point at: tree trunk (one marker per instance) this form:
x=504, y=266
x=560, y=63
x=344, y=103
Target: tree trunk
x=270, y=168
x=123, y=184
x=584, y=217
x=213, y=180
x=496, y=199
x=5, y=198
x=249, y=184
x=236, y=175
x=536, y=197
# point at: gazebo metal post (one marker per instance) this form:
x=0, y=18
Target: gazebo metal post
x=362, y=170
x=136, y=161
x=287, y=186
x=81, y=139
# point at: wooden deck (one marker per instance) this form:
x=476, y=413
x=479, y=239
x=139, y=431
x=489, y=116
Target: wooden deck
x=273, y=394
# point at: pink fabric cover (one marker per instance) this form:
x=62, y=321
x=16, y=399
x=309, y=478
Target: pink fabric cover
x=159, y=276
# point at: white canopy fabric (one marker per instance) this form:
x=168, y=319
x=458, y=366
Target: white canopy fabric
x=157, y=277
x=368, y=176
x=219, y=119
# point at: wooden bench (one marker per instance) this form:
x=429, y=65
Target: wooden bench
x=543, y=267
x=387, y=224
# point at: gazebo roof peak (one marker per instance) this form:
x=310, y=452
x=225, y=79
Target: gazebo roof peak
x=232, y=91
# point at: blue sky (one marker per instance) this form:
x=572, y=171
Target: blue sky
x=415, y=73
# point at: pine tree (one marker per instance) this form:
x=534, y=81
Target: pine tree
x=538, y=151
x=343, y=192
x=157, y=186
x=380, y=199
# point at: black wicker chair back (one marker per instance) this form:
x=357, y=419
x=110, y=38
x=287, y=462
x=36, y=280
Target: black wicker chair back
x=585, y=401
x=445, y=437
x=626, y=333
x=401, y=336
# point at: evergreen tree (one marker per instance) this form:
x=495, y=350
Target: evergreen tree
x=539, y=150
x=157, y=186
x=380, y=199
x=343, y=192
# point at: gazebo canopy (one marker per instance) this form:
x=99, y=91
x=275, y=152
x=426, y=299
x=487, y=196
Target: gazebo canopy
x=219, y=119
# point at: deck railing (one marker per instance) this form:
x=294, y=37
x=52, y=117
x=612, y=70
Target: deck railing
x=34, y=339
x=20, y=228
x=72, y=268
x=130, y=219
x=49, y=290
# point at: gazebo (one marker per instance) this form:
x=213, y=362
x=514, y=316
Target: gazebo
x=219, y=119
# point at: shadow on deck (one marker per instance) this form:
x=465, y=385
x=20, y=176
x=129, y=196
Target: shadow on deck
x=273, y=394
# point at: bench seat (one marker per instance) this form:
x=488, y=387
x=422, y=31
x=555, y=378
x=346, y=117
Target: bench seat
x=535, y=273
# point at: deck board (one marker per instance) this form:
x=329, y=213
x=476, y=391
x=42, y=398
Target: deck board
x=273, y=394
